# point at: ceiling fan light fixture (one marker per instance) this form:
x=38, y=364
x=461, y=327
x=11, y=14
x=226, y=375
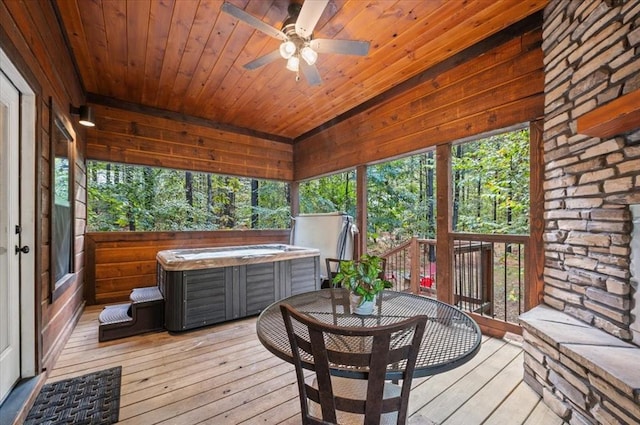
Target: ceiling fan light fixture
x=309, y=55
x=287, y=49
x=293, y=63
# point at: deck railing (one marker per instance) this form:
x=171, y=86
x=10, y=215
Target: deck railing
x=489, y=272
x=408, y=275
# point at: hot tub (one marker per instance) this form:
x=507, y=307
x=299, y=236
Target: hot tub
x=210, y=285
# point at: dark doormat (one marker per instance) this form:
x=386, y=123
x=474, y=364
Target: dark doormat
x=89, y=399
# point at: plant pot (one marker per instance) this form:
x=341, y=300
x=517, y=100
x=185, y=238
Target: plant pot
x=363, y=308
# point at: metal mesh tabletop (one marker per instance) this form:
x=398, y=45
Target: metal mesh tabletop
x=451, y=337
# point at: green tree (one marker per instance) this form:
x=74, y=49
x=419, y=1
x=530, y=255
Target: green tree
x=332, y=193
x=492, y=192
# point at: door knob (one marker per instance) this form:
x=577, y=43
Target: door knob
x=24, y=249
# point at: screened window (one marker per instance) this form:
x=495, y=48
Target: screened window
x=329, y=194
x=401, y=199
x=491, y=184
x=139, y=198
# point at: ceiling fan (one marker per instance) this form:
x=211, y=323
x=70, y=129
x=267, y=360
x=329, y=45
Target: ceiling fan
x=298, y=46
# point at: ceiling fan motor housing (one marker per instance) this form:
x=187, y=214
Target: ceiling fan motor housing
x=289, y=24
x=293, y=10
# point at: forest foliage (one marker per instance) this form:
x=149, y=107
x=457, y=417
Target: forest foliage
x=490, y=195
x=135, y=198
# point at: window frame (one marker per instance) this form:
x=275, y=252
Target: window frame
x=61, y=130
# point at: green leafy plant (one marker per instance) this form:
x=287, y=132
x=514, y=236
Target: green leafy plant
x=363, y=277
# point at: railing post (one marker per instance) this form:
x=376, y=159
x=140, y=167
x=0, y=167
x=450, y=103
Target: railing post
x=486, y=264
x=534, y=250
x=444, y=241
x=294, y=191
x=361, y=210
x=415, y=265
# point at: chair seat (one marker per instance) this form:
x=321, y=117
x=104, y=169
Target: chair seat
x=356, y=389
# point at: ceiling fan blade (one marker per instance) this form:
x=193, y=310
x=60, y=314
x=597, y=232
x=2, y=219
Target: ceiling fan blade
x=263, y=60
x=342, y=47
x=253, y=21
x=309, y=16
x=310, y=73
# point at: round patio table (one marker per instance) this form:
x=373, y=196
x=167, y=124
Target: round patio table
x=451, y=337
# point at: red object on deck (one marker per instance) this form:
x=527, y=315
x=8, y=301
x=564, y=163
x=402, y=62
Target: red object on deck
x=426, y=282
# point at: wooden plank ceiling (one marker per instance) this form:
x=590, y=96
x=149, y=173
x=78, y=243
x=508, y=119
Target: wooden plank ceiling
x=186, y=56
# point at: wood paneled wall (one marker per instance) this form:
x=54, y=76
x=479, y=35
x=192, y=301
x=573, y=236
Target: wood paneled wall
x=117, y=262
x=497, y=89
x=133, y=137
x=31, y=37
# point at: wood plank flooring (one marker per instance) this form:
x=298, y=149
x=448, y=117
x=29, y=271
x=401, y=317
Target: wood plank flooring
x=223, y=375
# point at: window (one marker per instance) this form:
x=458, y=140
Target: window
x=491, y=184
x=329, y=194
x=62, y=203
x=139, y=198
x=401, y=200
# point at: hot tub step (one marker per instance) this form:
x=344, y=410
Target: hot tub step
x=150, y=293
x=113, y=314
x=145, y=313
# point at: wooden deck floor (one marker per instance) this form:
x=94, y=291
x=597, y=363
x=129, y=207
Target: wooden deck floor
x=223, y=375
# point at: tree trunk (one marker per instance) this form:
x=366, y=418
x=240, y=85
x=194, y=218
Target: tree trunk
x=94, y=174
x=346, y=192
x=209, y=200
x=188, y=194
x=431, y=219
x=457, y=176
x=188, y=187
x=254, y=203
x=128, y=179
x=509, y=211
x=149, y=188
x=287, y=193
x=229, y=219
x=423, y=198
x=495, y=204
x=479, y=198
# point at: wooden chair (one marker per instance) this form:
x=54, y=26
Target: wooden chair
x=331, y=399
x=333, y=266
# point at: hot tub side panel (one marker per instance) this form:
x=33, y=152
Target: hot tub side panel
x=259, y=290
x=208, y=296
x=300, y=274
x=195, y=298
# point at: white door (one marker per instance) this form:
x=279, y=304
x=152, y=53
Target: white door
x=9, y=236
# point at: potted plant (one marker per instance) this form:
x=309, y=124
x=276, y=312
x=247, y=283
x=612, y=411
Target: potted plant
x=364, y=279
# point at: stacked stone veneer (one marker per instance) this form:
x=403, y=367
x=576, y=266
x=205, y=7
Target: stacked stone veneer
x=585, y=375
x=591, y=57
